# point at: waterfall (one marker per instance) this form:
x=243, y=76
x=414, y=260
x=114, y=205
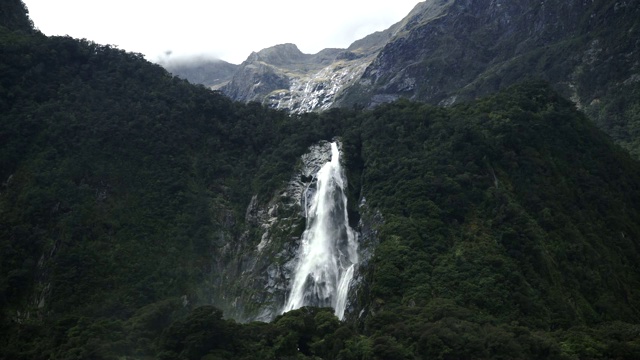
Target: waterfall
x=328, y=251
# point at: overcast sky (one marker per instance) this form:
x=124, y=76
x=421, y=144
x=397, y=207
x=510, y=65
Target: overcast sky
x=227, y=29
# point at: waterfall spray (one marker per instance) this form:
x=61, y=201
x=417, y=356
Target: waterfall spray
x=328, y=252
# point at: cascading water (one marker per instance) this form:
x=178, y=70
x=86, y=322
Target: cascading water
x=328, y=252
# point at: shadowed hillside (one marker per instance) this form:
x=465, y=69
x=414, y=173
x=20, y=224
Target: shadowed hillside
x=505, y=227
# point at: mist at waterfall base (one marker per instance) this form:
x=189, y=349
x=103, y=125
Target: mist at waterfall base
x=328, y=251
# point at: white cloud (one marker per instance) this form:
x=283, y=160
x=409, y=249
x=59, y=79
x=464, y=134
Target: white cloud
x=226, y=29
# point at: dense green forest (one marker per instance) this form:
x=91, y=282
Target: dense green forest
x=511, y=224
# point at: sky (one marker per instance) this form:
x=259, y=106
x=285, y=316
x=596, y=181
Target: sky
x=226, y=29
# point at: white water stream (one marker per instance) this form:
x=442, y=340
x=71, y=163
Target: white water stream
x=328, y=252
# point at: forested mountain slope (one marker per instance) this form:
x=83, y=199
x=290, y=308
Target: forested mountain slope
x=507, y=227
x=451, y=51
x=588, y=50
x=495, y=213
x=119, y=182
x=14, y=16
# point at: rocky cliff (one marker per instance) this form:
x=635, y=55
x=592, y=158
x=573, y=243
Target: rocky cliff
x=587, y=49
x=253, y=278
x=285, y=78
x=450, y=51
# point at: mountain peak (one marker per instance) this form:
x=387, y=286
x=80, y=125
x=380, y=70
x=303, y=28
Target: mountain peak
x=282, y=54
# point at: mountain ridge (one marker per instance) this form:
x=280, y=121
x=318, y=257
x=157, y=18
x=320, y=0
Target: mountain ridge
x=444, y=52
x=212, y=73
x=135, y=206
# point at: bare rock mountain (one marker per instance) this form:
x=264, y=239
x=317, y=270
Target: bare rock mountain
x=450, y=51
x=285, y=78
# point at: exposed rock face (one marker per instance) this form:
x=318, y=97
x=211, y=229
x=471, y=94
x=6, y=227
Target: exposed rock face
x=254, y=272
x=450, y=47
x=285, y=78
x=368, y=240
x=449, y=51
x=316, y=91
